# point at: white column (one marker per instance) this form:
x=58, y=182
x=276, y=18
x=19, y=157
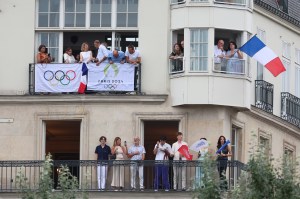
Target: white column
x=113, y=38
x=87, y=14
x=113, y=14
x=187, y=47
x=211, y=40
x=61, y=14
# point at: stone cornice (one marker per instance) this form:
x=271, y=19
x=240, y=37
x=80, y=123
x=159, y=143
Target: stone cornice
x=274, y=120
x=82, y=99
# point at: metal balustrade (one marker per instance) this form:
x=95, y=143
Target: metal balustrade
x=264, y=95
x=86, y=172
x=290, y=108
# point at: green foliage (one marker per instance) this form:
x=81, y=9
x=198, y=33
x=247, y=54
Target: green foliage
x=210, y=180
x=67, y=184
x=265, y=181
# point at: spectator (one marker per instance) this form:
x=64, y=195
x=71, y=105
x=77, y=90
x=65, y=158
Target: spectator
x=85, y=54
x=42, y=56
x=199, y=171
x=102, y=52
x=162, y=150
x=176, y=58
x=133, y=57
x=219, y=54
x=179, y=170
x=136, y=152
x=182, y=46
x=118, y=171
x=234, y=55
x=68, y=57
x=102, y=151
x=116, y=57
x=222, y=160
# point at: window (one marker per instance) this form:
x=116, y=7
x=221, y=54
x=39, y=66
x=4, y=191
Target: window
x=100, y=13
x=283, y=5
x=265, y=143
x=261, y=34
x=127, y=13
x=198, y=49
x=75, y=13
x=51, y=41
x=286, y=77
x=297, y=73
x=289, y=151
x=286, y=50
x=48, y=13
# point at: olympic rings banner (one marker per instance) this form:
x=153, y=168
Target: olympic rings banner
x=110, y=77
x=57, y=77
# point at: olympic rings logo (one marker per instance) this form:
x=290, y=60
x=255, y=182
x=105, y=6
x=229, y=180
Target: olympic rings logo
x=64, y=78
x=110, y=86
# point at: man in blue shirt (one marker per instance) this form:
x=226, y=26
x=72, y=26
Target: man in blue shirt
x=102, y=151
x=116, y=57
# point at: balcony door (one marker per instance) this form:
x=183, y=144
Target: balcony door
x=63, y=142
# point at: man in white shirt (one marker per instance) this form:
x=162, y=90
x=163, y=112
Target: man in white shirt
x=179, y=169
x=136, y=152
x=102, y=53
x=133, y=57
x=219, y=54
x=163, y=151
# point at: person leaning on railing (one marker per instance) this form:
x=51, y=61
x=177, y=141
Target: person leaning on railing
x=234, y=56
x=219, y=54
x=176, y=58
x=42, y=56
x=133, y=57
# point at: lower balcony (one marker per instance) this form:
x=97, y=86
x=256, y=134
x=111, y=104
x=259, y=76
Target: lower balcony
x=290, y=108
x=264, y=95
x=98, y=175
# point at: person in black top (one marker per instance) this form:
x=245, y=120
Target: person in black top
x=102, y=151
x=222, y=160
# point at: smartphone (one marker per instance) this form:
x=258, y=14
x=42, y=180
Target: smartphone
x=125, y=143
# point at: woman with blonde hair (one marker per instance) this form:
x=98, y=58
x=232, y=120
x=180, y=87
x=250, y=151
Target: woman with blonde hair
x=118, y=170
x=85, y=54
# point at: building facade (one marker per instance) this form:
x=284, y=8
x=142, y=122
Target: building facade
x=199, y=99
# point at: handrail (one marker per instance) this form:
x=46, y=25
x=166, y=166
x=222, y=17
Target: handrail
x=229, y=66
x=264, y=95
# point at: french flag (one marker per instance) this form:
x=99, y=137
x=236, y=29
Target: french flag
x=82, y=85
x=260, y=52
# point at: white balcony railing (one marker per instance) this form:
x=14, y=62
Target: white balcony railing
x=175, y=2
x=177, y=65
x=226, y=2
x=232, y=2
x=231, y=66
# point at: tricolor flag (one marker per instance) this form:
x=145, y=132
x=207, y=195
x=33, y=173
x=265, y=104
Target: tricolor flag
x=82, y=85
x=259, y=51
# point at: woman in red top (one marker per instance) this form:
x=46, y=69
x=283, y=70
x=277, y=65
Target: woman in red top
x=42, y=56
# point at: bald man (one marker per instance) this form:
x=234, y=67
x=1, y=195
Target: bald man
x=116, y=57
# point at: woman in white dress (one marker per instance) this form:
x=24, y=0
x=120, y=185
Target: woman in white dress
x=118, y=169
x=68, y=56
x=85, y=54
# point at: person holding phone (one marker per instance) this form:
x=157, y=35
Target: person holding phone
x=163, y=151
x=136, y=153
x=118, y=170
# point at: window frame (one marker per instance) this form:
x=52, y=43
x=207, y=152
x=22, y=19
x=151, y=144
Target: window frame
x=101, y=14
x=127, y=14
x=48, y=15
x=268, y=137
x=75, y=15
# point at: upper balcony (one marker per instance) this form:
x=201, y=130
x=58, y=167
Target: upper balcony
x=227, y=14
x=201, y=78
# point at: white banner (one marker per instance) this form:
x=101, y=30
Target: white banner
x=57, y=77
x=110, y=77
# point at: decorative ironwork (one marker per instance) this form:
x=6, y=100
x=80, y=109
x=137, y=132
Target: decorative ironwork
x=264, y=95
x=290, y=108
x=86, y=171
x=277, y=12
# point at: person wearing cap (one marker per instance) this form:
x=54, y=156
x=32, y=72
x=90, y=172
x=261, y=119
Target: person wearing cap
x=163, y=151
x=136, y=153
x=102, y=151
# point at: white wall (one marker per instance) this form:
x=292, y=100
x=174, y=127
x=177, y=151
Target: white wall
x=17, y=18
